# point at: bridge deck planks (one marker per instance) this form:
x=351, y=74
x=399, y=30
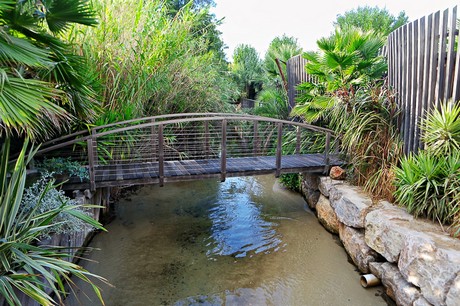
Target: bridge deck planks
x=148, y=172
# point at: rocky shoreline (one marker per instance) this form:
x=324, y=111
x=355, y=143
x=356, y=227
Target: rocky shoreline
x=417, y=262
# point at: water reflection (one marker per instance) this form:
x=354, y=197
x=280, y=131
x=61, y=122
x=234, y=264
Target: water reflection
x=238, y=227
x=211, y=243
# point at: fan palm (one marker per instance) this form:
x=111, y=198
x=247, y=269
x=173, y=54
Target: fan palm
x=346, y=60
x=42, y=83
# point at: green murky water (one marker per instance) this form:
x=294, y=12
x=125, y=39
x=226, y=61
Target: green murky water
x=242, y=242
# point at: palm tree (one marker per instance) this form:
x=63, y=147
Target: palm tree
x=43, y=84
x=346, y=60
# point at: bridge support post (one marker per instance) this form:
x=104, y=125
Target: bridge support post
x=279, y=150
x=223, y=152
x=161, y=155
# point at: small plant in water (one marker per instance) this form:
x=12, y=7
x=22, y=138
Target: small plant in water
x=63, y=166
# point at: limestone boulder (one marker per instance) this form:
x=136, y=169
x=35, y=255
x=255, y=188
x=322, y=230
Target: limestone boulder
x=326, y=215
x=431, y=261
x=453, y=296
x=309, y=189
x=310, y=181
x=397, y=287
x=421, y=301
x=388, y=226
x=356, y=247
x=326, y=184
x=350, y=204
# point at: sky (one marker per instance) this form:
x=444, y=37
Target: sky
x=257, y=22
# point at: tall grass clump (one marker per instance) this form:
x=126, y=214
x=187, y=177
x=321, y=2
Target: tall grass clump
x=428, y=183
x=150, y=62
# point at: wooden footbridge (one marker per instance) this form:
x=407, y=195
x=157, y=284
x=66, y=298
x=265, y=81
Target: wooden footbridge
x=193, y=146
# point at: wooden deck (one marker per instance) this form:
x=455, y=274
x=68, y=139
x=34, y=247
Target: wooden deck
x=148, y=172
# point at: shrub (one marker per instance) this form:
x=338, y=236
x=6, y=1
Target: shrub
x=40, y=198
x=26, y=267
x=428, y=184
x=60, y=165
x=291, y=181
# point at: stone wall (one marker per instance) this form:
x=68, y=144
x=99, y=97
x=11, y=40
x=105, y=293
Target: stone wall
x=417, y=262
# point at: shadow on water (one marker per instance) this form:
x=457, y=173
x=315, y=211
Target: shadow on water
x=242, y=242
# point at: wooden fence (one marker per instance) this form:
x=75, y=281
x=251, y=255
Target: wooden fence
x=423, y=69
x=295, y=75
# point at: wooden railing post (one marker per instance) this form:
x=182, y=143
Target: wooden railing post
x=91, y=163
x=279, y=150
x=326, y=152
x=161, y=155
x=298, y=139
x=255, y=148
x=206, y=139
x=223, y=152
x=153, y=139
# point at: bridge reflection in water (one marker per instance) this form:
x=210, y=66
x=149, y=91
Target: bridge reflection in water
x=194, y=146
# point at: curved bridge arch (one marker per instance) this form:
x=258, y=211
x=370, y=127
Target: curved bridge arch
x=193, y=146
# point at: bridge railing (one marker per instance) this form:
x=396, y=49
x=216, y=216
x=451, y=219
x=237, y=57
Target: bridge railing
x=165, y=143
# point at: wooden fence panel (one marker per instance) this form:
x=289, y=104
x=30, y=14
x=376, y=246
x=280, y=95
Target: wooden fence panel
x=296, y=75
x=423, y=69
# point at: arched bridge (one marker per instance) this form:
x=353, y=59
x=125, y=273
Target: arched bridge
x=193, y=146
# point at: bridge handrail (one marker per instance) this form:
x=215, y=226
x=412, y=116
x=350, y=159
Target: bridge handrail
x=217, y=118
x=92, y=133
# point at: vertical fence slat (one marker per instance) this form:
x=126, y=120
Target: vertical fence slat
x=91, y=163
x=423, y=70
x=255, y=148
x=450, y=55
x=441, y=70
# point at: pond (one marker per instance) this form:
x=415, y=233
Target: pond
x=246, y=241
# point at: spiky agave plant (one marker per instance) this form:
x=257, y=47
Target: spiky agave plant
x=37, y=271
x=441, y=129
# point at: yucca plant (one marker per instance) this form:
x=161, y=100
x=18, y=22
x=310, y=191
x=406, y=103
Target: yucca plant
x=428, y=184
x=38, y=271
x=441, y=129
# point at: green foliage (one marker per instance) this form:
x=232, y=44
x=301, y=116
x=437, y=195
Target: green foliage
x=291, y=181
x=428, y=183
x=346, y=61
x=247, y=71
x=282, y=48
x=372, y=19
x=25, y=266
x=43, y=83
x=61, y=165
x=272, y=102
x=441, y=130
x=370, y=138
x=40, y=198
x=150, y=63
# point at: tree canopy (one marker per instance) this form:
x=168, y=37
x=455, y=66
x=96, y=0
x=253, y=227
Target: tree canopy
x=372, y=18
x=247, y=70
